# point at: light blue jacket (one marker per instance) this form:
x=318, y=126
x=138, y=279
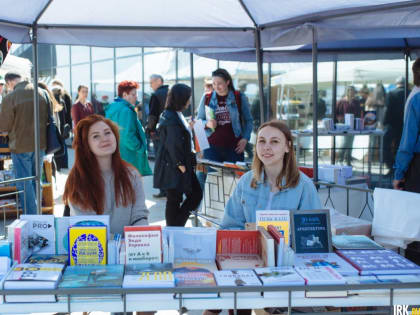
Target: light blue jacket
x=245, y=200
x=245, y=130
x=410, y=139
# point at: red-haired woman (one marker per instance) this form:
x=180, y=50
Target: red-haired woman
x=133, y=146
x=100, y=182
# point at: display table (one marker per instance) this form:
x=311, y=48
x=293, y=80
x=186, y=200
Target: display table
x=383, y=294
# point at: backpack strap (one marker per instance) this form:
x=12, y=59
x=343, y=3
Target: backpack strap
x=207, y=98
x=239, y=104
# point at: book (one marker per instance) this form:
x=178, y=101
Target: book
x=267, y=247
x=5, y=248
x=239, y=261
x=11, y=236
x=322, y=276
x=94, y=276
x=91, y=220
x=21, y=244
x=326, y=259
x=378, y=262
x=279, y=244
x=239, y=278
x=33, y=276
x=280, y=276
x=209, y=265
x=188, y=276
x=278, y=218
x=87, y=245
x=238, y=242
x=311, y=231
x=143, y=244
x=42, y=233
x=354, y=242
x=48, y=259
x=62, y=235
x=156, y=275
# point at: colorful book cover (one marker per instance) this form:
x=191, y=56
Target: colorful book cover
x=91, y=220
x=33, y=272
x=311, y=231
x=48, y=259
x=42, y=233
x=320, y=275
x=192, y=276
x=209, y=265
x=378, y=262
x=21, y=241
x=149, y=275
x=238, y=242
x=103, y=276
x=354, y=242
x=239, y=278
x=326, y=259
x=88, y=245
x=278, y=218
x=280, y=276
x=5, y=248
x=62, y=235
x=143, y=244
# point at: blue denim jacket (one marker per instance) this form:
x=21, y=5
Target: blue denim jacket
x=245, y=130
x=245, y=200
x=410, y=139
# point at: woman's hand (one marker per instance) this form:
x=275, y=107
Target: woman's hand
x=212, y=124
x=398, y=184
x=241, y=146
x=191, y=124
x=182, y=168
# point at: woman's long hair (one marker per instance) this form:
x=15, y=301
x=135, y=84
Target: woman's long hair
x=178, y=97
x=290, y=170
x=85, y=184
x=225, y=75
x=56, y=105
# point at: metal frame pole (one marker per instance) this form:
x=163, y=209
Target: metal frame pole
x=407, y=56
x=176, y=66
x=315, y=101
x=36, y=118
x=91, y=75
x=143, y=86
x=258, y=52
x=71, y=75
x=270, y=113
x=333, y=109
x=192, y=84
x=115, y=71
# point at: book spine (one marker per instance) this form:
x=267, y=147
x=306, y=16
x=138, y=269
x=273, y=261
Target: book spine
x=18, y=245
x=361, y=272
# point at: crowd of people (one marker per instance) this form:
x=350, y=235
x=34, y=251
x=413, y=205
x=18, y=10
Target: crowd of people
x=111, y=147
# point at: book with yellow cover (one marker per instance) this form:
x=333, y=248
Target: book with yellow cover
x=87, y=245
x=278, y=218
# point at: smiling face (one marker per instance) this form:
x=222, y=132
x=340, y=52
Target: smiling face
x=271, y=146
x=221, y=86
x=101, y=139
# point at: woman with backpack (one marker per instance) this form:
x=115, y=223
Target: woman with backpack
x=228, y=121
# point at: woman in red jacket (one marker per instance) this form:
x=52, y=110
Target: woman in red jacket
x=82, y=108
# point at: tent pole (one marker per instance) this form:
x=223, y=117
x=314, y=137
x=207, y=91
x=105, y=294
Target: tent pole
x=192, y=84
x=143, y=95
x=315, y=101
x=176, y=66
x=260, y=73
x=407, y=55
x=333, y=108
x=36, y=119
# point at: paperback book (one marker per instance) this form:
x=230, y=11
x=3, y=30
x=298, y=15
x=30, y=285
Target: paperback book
x=280, y=219
x=33, y=276
x=267, y=247
x=326, y=259
x=42, y=233
x=62, y=235
x=87, y=245
x=192, y=276
x=95, y=276
x=279, y=244
x=91, y=220
x=239, y=278
x=354, y=242
x=21, y=243
x=239, y=261
x=48, y=259
x=143, y=244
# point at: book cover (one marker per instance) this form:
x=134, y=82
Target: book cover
x=320, y=275
x=311, y=231
x=354, y=242
x=11, y=236
x=62, y=235
x=267, y=247
x=5, y=248
x=87, y=245
x=48, y=259
x=279, y=244
x=42, y=233
x=192, y=276
x=209, y=265
x=21, y=241
x=143, y=244
x=239, y=278
x=238, y=242
x=239, y=261
x=378, y=262
x=110, y=276
x=91, y=220
x=278, y=218
x=280, y=276
x=326, y=259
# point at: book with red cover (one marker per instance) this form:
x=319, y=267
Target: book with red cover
x=279, y=243
x=143, y=244
x=21, y=241
x=238, y=242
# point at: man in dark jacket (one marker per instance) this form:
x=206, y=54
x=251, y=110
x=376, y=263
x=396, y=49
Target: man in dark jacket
x=393, y=122
x=156, y=107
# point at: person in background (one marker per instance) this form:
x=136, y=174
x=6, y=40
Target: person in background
x=133, y=146
x=393, y=122
x=208, y=85
x=100, y=182
x=17, y=119
x=156, y=107
x=82, y=108
x=2, y=84
x=229, y=130
x=11, y=79
x=175, y=160
x=274, y=182
x=65, y=96
x=97, y=105
x=349, y=104
x=376, y=102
